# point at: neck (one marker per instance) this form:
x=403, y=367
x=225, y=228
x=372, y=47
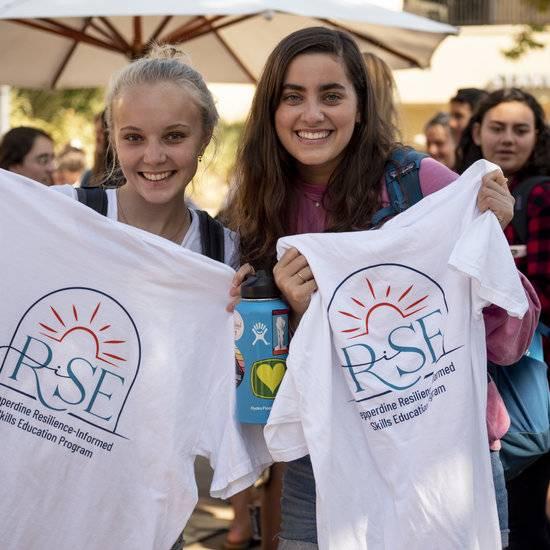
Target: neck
x=170, y=220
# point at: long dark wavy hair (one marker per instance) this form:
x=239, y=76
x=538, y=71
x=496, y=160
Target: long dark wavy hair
x=538, y=163
x=265, y=173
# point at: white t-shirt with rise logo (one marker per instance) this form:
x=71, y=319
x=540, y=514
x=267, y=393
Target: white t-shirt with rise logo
x=116, y=370
x=387, y=379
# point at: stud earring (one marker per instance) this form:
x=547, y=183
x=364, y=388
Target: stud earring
x=199, y=158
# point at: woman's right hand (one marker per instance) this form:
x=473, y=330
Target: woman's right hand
x=235, y=290
x=295, y=280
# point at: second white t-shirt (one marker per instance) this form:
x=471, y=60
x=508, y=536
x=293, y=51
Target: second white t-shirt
x=387, y=382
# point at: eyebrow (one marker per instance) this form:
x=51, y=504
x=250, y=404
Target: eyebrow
x=515, y=125
x=322, y=88
x=171, y=127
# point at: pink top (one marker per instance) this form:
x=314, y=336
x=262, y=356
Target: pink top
x=507, y=337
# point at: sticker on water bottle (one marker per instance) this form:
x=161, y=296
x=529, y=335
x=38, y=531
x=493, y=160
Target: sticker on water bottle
x=238, y=325
x=279, y=330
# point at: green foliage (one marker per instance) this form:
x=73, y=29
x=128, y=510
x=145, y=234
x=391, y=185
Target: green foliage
x=525, y=40
x=213, y=178
x=67, y=115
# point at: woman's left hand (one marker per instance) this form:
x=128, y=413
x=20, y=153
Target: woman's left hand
x=494, y=195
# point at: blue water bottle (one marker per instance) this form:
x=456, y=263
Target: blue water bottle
x=261, y=347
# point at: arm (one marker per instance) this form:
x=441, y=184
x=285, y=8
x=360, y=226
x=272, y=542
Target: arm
x=508, y=337
x=537, y=265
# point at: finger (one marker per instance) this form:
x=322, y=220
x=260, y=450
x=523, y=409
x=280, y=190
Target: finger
x=241, y=274
x=230, y=307
x=297, y=264
x=287, y=257
x=305, y=274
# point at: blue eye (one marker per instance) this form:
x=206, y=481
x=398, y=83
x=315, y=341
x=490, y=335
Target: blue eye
x=175, y=136
x=291, y=98
x=333, y=98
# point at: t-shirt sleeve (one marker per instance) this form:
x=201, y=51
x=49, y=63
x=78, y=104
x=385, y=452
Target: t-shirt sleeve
x=434, y=176
x=237, y=452
x=483, y=254
x=284, y=432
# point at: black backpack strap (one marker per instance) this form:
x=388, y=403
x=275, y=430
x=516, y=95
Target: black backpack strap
x=212, y=236
x=93, y=197
x=521, y=193
x=401, y=177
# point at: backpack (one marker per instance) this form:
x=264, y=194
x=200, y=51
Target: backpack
x=211, y=230
x=402, y=183
x=524, y=385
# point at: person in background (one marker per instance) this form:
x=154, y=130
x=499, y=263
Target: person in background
x=509, y=128
x=439, y=141
x=461, y=108
x=71, y=163
x=29, y=152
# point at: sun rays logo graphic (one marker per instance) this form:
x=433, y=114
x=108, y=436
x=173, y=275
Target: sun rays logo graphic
x=77, y=323
x=388, y=323
x=75, y=350
x=396, y=303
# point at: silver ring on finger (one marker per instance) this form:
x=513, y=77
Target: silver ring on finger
x=301, y=277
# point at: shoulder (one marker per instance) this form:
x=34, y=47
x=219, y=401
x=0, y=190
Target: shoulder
x=67, y=190
x=434, y=176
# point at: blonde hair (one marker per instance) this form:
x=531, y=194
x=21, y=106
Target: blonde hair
x=165, y=63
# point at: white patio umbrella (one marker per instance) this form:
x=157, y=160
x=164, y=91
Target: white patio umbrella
x=79, y=43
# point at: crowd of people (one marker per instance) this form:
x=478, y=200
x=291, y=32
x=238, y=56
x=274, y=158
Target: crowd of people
x=312, y=158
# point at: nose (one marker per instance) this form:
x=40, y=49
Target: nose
x=508, y=135
x=51, y=166
x=154, y=153
x=313, y=112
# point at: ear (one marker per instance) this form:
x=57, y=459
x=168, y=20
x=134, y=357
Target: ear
x=476, y=133
x=358, y=118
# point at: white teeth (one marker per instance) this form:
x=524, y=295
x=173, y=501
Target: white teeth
x=155, y=176
x=321, y=134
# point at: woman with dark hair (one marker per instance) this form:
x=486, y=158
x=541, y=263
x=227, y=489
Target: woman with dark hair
x=312, y=159
x=509, y=129
x=29, y=152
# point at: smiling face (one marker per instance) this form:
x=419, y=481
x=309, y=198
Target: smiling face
x=507, y=135
x=316, y=115
x=158, y=134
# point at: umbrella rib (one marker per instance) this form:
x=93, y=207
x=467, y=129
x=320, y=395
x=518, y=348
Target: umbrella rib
x=374, y=41
x=225, y=24
x=234, y=56
x=69, y=54
x=62, y=30
x=137, y=46
x=115, y=34
x=159, y=29
x=188, y=30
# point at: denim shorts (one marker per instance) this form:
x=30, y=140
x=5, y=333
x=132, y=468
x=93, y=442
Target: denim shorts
x=298, y=519
x=502, y=497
